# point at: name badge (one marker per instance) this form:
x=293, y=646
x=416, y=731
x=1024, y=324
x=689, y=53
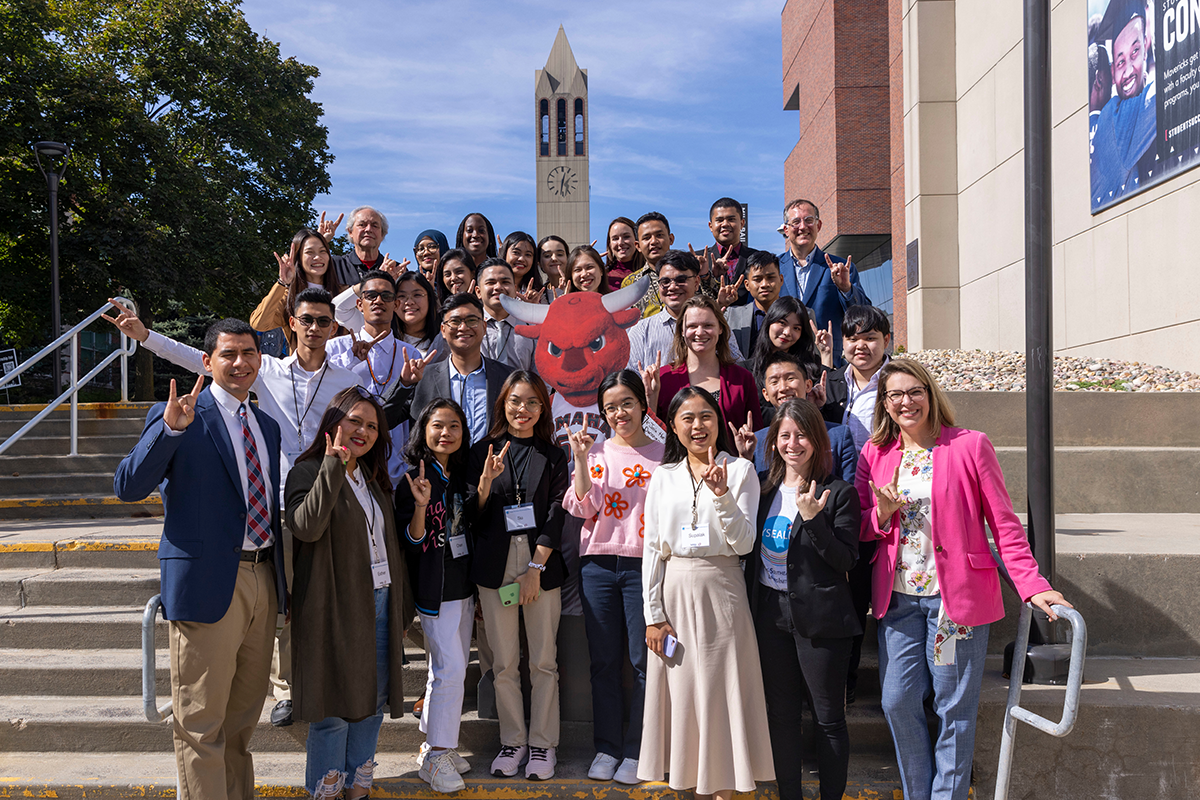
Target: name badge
x=696, y=537
x=519, y=518
x=458, y=545
x=380, y=575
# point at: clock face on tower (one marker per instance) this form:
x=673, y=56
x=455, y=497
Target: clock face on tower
x=562, y=181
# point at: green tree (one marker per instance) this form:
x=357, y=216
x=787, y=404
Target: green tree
x=196, y=151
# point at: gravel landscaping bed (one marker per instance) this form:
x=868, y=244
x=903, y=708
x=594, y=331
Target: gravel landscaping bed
x=1004, y=371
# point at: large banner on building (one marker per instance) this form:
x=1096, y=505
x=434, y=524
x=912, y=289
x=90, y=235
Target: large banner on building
x=1144, y=94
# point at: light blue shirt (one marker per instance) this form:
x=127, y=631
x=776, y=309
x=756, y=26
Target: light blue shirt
x=804, y=271
x=470, y=392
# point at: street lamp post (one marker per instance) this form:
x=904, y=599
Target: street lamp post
x=52, y=152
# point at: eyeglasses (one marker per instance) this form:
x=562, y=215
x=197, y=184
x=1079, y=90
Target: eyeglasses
x=681, y=281
x=916, y=395
x=385, y=296
x=525, y=405
x=627, y=406
x=307, y=320
x=807, y=222
x=428, y=248
x=454, y=323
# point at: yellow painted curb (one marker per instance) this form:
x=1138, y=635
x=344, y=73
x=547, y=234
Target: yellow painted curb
x=26, y=547
x=79, y=545
x=17, y=408
x=51, y=502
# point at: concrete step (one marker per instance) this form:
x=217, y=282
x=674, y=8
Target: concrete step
x=59, y=426
x=40, y=464
x=75, y=627
x=1108, y=480
x=65, y=543
x=78, y=507
x=63, y=484
x=33, y=445
x=78, y=587
x=115, y=776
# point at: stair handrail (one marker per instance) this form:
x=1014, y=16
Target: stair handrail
x=127, y=348
x=154, y=712
x=1013, y=711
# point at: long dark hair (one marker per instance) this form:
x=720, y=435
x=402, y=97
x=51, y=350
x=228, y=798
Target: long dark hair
x=439, y=276
x=418, y=449
x=462, y=227
x=537, y=254
x=578, y=254
x=299, y=280
x=533, y=278
x=808, y=418
x=674, y=451
x=631, y=381
x=544, y=427
x=610, y=260
x=431, y=316
x=374, y=462
x=805, y=347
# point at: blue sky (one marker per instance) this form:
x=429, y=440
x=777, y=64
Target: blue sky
x=429, y=107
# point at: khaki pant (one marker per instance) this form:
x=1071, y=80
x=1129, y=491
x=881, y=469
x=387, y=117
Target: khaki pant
x=281, y=659
x=219, y=678
x=541, y=631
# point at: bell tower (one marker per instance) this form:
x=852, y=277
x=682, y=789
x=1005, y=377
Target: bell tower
x=561, y=149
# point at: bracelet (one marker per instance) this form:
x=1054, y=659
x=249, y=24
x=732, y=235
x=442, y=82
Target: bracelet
x=537, y=566
x=281, y=283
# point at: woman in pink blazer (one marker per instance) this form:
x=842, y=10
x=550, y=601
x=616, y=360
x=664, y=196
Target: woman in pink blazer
x=926, y=490
x=701, y=358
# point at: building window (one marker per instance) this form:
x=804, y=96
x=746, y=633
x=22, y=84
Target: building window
x=544, y=111
x=562, y=127
x=578, y=126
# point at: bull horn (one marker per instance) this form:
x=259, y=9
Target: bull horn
x=626, y=296
x=527, y=313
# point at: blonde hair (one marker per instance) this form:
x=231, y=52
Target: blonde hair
x=941, y=412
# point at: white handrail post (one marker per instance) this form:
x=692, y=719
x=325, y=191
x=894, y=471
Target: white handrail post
x=75, y=394
x=124, y=368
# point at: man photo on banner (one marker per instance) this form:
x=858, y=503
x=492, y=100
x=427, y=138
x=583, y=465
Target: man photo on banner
x=1128, y=122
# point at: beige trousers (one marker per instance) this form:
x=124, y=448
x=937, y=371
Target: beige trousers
x=219, y=678
x=281, y=659
x=541, y=631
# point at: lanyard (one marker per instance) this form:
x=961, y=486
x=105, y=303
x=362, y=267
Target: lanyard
x=369, y=510
x=502, y=336
x=296, y=399
x=517, y=483
x=696, y=485
x=375, y=381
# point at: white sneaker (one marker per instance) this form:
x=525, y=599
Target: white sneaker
x=459, y=762
x=627, y=773
x=508, y=762
x=603, y=767
x=541, y=764
x=438, y=771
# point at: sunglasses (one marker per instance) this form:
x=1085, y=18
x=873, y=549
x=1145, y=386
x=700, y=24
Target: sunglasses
x=307, y=320
x=374, y=294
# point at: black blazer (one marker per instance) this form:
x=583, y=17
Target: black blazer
x=822, y=551
x=407, y=402
x=548, y=477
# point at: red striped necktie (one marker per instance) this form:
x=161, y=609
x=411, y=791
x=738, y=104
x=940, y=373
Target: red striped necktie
x=259, y=516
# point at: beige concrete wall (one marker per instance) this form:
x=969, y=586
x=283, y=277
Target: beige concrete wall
x=1126, y=282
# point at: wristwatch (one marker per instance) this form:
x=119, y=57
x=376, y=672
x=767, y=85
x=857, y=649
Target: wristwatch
x=537, y=566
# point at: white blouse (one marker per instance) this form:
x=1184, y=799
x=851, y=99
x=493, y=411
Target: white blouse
x=730, y=519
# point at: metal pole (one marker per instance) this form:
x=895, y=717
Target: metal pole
x=55, y=312
x=1039, y=330
x=124, y=368
x=74, y=394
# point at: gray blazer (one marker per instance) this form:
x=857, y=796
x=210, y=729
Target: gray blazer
x=401, y=403
x=741, y=322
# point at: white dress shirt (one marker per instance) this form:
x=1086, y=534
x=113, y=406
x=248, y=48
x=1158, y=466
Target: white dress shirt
x=229, y=405
x=859, y=416
x=293, y=397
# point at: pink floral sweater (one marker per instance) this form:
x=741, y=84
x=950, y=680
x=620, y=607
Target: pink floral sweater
x=615, y=507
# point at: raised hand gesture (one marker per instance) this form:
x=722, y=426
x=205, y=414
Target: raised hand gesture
x=581, y=444
x=127, y=322
x=335, y=447
x=422, y=489
x=840, y=272
x=888, y=499
x=744, y=439
x=532, y=295
x=716, y=476
x=493, y=467
x=824, y=340
x=393, y=267
x=723, y=261
x=727, y=295
x=808, y=504
x=329, y=229
x=180, y=411
x=287, y=270
x=360, y=348
x=819, y=395
x=651, y=380
x=414, y=368
x=702, y=257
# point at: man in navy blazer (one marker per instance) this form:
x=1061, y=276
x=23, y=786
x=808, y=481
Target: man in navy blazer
x=827, y=285
x=215, y=459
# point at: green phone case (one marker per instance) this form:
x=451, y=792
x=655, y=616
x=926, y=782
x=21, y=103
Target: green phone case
x=510, y=595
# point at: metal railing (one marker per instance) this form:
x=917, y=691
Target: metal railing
x=154, y=712
x=127, y=348
x=1013, y=713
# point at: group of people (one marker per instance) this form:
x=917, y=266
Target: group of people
x=756, y=479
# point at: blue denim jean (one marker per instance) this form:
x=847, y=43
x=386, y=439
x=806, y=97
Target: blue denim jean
x=941, y=770
x=334, y=743
x=612, y=609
